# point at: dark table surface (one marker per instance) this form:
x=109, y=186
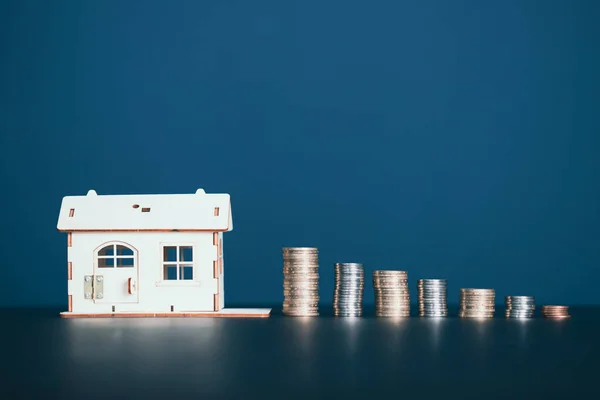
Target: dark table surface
x=44, y=356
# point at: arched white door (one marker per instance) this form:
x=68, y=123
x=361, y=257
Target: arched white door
x=116, y=264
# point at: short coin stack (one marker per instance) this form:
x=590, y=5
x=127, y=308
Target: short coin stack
x=432, y=297
x=556, y=312
x=301, y=281
x=349, y=289
x=477, y=303
x=392, y=296
x=519, y=306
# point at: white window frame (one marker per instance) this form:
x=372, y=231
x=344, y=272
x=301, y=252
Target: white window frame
x=115, y=257
x=177, y=282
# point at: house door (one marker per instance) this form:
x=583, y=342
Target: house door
x=116, y=266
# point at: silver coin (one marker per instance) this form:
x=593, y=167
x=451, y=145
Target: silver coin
x=519, y=298
x=359, y=285
x=348, y=289
x=511, y=305
x=349, y=292
x=520, y=303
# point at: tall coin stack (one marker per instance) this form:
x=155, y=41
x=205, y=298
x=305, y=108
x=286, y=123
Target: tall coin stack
x=301, y=281
x=392, y=296
x=349, y=289
x=432, y=298
x=519, y=306
x=477, y=303
x=556, y=312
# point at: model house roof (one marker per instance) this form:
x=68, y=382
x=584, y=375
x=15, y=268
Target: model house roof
x=155, y=212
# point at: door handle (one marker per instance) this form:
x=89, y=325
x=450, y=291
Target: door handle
x=132, y=286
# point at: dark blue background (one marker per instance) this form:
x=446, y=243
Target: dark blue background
x=453, y=139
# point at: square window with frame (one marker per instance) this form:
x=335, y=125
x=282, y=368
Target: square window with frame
x=178, y=263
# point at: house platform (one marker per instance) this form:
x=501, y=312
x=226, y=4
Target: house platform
x=224, y=313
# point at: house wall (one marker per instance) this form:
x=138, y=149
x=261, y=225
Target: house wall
x=154, y=294
x=221, y=274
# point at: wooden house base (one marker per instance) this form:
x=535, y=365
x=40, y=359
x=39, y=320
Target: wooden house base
x=224, y=313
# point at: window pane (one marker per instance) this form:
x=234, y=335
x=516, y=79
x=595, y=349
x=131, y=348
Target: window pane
x=185, y=253
x=125, y=262
x=124, y=251
x=107, y=251
x=169, y=253
x=187, y=272
x=170, y=272
x=106, y=262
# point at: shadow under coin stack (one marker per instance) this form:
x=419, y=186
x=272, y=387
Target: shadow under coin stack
x=392, y=297
x=556, y=312
x=432, y=298
x=519, y=306
x=477, y=303
x=301, y=281
x=349, y=289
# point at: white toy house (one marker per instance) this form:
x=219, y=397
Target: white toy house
x=147, y=255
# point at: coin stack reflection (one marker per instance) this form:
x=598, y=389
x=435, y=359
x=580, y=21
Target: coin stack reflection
x=349, y=289
x=301, y=281
x=519, y=306
x=556, y=312
x=432, y=298
x=392, y=296
x=477, y=303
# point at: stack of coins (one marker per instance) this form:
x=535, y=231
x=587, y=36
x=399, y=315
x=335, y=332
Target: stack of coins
x=392, y=297
x=556, y=312
x=301, y=281
x=432, y=298
x=477, y=303
x=349, y=289
x=519, y=306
